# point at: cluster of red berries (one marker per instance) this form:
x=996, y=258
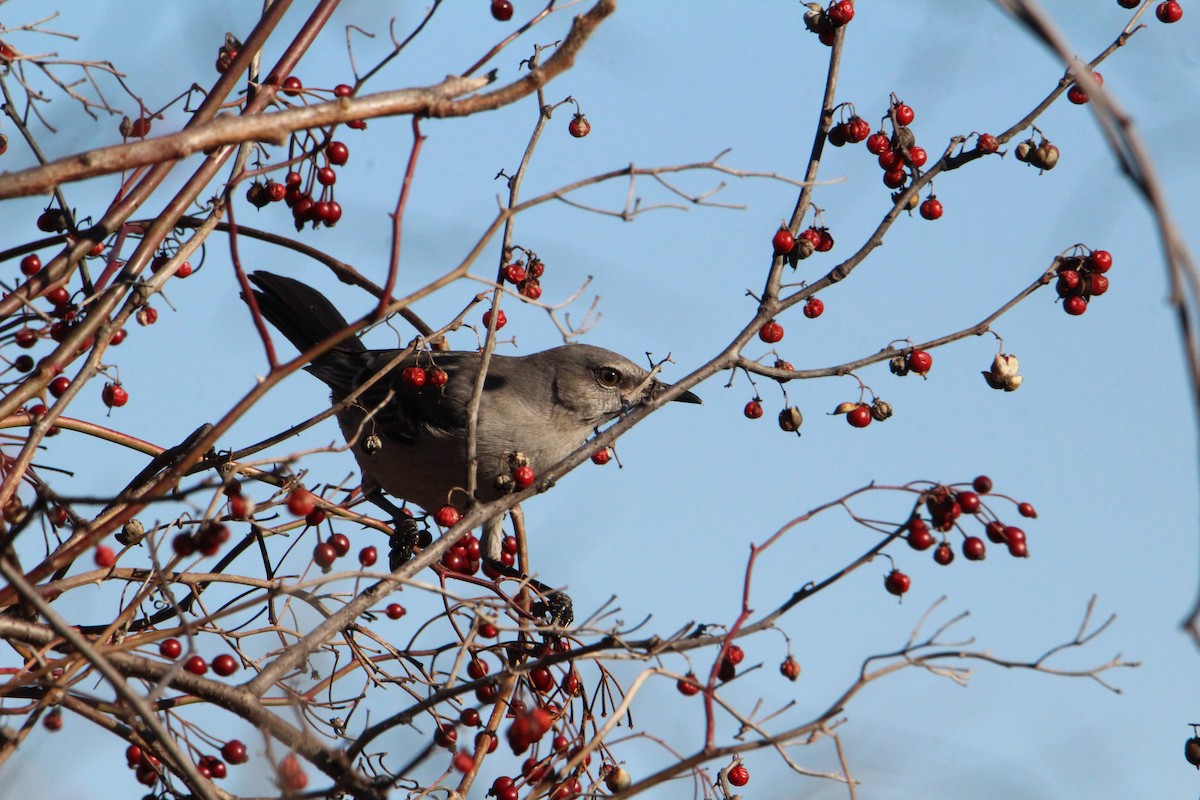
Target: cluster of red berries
x=915, y=360
x=527, y=279
x=860, y=415
x=144, y=764
x=297, y=192
x=853, y=130
x=207, y=540
x=814, y=239
x=333, y=548
x=1043, y=155
x=825, y=21
x=161, y=260
x=945, y=507
x=899, y=152
x=417, y=376
x=464, y=557
x=1080, y=278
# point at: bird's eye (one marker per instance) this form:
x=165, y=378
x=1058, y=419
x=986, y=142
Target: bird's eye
x=609, y=377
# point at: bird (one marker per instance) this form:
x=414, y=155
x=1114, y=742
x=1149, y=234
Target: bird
x=409, y=435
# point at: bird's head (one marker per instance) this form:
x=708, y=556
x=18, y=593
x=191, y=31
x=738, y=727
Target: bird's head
x=597, y=384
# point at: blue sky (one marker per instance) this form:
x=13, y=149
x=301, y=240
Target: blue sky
x=1101, y=436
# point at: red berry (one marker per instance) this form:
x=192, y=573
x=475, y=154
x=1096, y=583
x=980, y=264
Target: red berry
x=30, y=264
x=445, y=735
x=771, y=332
x=878, y=143
x=987, y=143
x=919, y=537
x=395, y=611
x=825, y=244
x=502, y=10
x=104, y=556
x=974, y=548
x=895, y=179
x=234, y=752
x=995, y=532
x=920, y=362
x=464, y=761
x=501, y=319
x=688, y=685
x=114, y=395
x=531, y=289
x=523, y=477
x=814, y=308
x=931, y=208
x=60, y=297
x=447, y=516
x=857, y=129
x=1026, y=510
x=225, y=665
x=292, y=86
x=903, y=114
x=944, y=554
x=183, y=544
x=1100, y=261
x=753, y=409
x=1012, y=534
x=300, y=502
x=196, y=665
x=324, y=555
x=368, y=556
x=860, y=416
x=338, y=153
x=326, y=176
x=579, y=127
x=601, y=457
x=315, y=517
x=341, y=544
x=59, y=385
x=739, y=775
x=140, y=128
x=897, y=582
x=1169, y=11
x=1097, y=284
x=291, y=775
x=515, y=273
x=735, y=654
x=917, y=156
x=783, y=241
x=1075, y=306
x=413, y=376
x=436, y=376
x=969, y=502
x=790, y=668
x=53, y=721
x=25, y=337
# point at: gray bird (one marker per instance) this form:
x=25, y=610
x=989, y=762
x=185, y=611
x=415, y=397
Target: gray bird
x=410, y=441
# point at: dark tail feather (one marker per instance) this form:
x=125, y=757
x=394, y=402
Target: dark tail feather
x=306, y=317
x=300, y=312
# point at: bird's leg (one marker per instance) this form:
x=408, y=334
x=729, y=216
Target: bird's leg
x=405, y=533
x=557, y=606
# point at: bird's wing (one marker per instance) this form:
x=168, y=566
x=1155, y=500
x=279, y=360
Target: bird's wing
x=417, y=412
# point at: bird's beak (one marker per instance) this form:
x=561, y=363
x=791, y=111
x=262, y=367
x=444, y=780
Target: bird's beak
x=658, y=388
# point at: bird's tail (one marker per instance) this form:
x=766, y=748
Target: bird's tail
x=305, y=317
